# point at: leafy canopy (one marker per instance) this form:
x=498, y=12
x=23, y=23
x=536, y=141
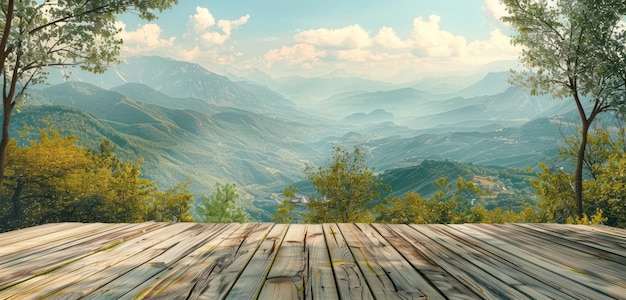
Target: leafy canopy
x=603, y=186
x=573, y=49
x=222, y=206
x=37, y=35
x=51, y=179
x=345, y=189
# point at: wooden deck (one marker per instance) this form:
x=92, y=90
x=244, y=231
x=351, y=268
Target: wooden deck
x=329, y=261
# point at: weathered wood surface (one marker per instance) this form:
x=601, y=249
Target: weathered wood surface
x=326, y=261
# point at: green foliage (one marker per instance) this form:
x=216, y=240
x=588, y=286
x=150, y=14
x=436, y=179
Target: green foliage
x=603, y=188
x=54, y=180
x=480, y=214
x=570, y=47
x=585, y=220
x=285, y=210
x=509, y=188
x=41, y=34
x=577, y=49
x=222, y=206
x=458, y=202
x=556, y=189
x=345, y=189
x=171, y=205
x=450, y=205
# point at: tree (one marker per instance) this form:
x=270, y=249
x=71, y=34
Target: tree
x=573, y=48
x=450, y=205
x=604, y=192
x=285, y=210
x=345, y=189
x=42, y=180
x=411, y=209
x=222, y=206
x=41, y=34
x=129, y=194
x=51, y=179
x=171, y=205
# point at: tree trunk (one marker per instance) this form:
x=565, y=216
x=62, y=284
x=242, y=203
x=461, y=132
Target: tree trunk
x=578, y=175
x=5, y=49
x=598, y=107
x=4, y=140
x=16, y=211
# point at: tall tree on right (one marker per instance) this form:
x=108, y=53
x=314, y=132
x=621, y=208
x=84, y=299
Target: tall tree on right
x=573, y=49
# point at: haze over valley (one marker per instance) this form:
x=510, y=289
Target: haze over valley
x=187, y=122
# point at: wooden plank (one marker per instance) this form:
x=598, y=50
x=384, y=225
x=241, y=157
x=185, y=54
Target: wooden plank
x=47, y=260
x=441, y=282
x=350, y=280
x=250, y=282
x=536, y=272
x=388, y=275
x=301, y=269
x=478, y=281
x=12, y=237
x=610, y=247
x=611, y=231
x=176, y=247
x=90, y=273
x=80, y=234
x=319, y=280
x=604, y=233
x=587, y=269
x=28, y=249
x=577, y=253
x=177, y=281
x=217, y=284
x=328, y=261
x=285, y=279
x=503, y=278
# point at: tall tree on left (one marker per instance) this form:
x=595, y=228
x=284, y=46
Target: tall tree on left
x=40, y=34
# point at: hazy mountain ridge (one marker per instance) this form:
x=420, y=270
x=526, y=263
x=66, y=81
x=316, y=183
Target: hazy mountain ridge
x=181, y=80
x=228, y=146
x=513, y=107
x=493, y=83
x=262, y=146
x=302, y=90
x=374, y=117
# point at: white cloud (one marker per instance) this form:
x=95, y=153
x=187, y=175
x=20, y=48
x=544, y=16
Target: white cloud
x=495, y=9
x=296, y=54
x=497, y=46
x=146, y=38
x=429, y=40
x=387, y=38
x=202, y=20
x=227, y=26
x=357, y=55
x=428, y=47
x=214, y=38
x=202, y=28
x=353, y=36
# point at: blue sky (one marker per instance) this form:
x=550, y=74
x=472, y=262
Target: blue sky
x=387, y=40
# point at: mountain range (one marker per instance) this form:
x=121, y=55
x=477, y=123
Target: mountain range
x=189, y=123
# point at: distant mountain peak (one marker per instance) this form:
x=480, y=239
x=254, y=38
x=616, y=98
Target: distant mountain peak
x=342, y=73
x=493, y=83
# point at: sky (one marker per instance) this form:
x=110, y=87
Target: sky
x=395, y=40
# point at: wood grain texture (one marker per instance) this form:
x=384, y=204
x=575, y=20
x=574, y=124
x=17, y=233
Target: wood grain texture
x=314, y=261
x=350, y=280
